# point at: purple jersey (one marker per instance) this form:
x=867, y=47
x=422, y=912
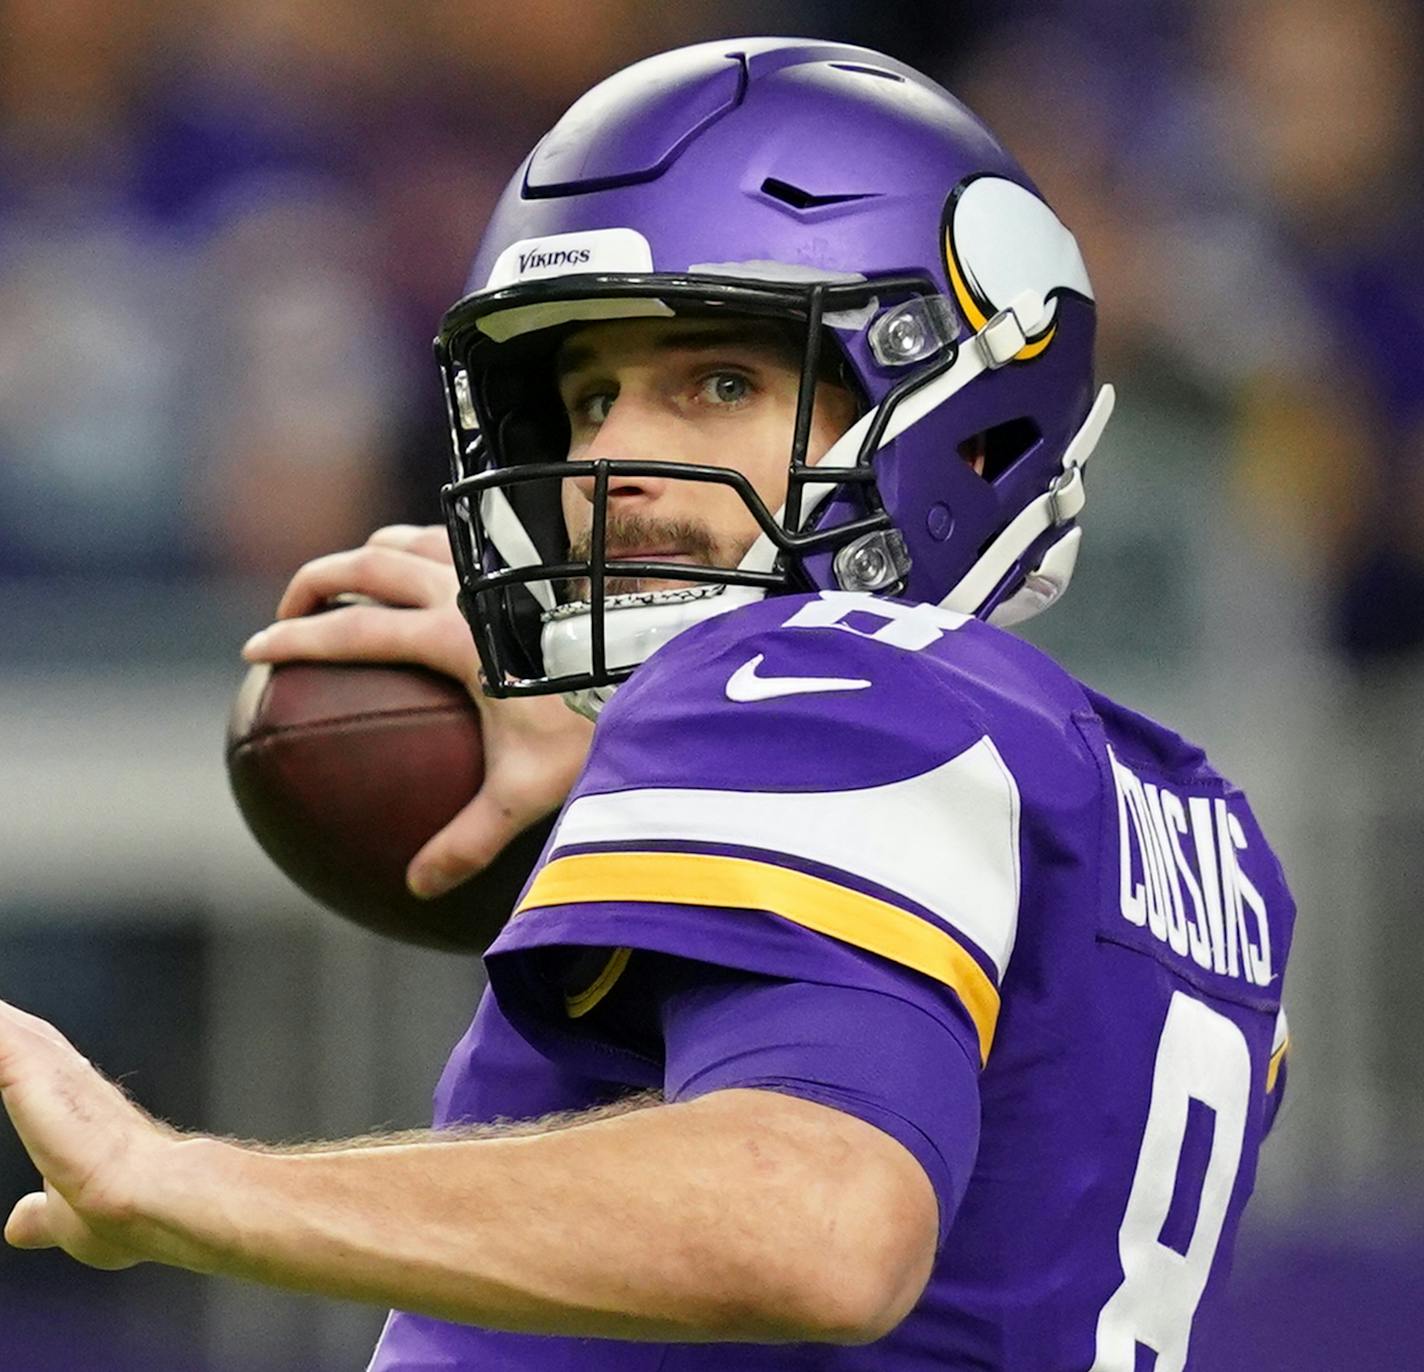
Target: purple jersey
x=853, y=793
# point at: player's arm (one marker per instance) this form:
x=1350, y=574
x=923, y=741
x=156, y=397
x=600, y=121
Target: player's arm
x=742, y=1214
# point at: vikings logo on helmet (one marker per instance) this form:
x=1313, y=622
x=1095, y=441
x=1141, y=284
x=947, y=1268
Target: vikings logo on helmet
x=804, y=181
x=1000, y=240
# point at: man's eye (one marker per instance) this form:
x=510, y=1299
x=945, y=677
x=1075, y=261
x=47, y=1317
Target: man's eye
x=725, y=388
x=593, y=409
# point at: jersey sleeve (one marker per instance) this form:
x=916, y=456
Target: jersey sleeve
x=845, y=819
x=874, y=1056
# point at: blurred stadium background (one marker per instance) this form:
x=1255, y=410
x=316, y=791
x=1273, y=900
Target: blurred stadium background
x=226, y=232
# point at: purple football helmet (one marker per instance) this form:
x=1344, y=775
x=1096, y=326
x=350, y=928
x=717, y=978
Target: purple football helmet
x=844, y=194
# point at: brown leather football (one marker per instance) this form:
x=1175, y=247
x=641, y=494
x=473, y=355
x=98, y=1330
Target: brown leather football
x=343, y=771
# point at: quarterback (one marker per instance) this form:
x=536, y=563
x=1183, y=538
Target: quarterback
x=885, y=998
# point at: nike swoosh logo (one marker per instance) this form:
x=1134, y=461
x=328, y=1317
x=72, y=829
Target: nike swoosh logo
x=744, y=684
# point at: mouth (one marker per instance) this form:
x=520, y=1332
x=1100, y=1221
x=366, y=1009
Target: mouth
x=648, y=555
x=623, y=584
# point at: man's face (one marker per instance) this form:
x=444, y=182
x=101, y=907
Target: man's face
x=712, y=392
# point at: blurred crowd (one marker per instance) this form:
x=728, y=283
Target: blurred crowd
x=227, y=232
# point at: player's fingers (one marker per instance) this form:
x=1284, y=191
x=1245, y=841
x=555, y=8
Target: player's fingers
x=12, y=1014
x=424, y=540
x=469, y=843
x=435, y=638
x=28, y=1225
x=48, y=1221
x=389, y=575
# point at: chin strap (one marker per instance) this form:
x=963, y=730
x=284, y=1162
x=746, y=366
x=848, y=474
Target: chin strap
x=1056, y=507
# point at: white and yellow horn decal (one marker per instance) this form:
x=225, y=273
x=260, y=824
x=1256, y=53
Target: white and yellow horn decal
x=1001, y=240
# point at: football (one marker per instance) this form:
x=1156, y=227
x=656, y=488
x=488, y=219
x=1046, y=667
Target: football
x=343, y=771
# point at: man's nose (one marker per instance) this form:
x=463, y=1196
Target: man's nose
x=633, y=431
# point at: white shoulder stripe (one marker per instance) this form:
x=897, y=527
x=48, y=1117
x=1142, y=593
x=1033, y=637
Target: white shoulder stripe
x=947, y=839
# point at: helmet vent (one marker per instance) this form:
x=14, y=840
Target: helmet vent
x=805, y=200
x=1002, y=445
x=867, y=71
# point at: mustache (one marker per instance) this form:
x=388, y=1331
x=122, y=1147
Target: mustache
x=693, y=540
x=643, y=531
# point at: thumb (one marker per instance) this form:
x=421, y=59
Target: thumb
x=469, y=843
x=28, y=1225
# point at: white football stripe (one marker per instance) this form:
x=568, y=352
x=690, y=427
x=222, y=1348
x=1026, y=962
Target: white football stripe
x=947, y=839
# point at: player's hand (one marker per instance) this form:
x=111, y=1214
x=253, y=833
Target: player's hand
x=95, y=1149
x=534, y=748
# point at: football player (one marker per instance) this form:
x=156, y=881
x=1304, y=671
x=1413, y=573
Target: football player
x=885, y=998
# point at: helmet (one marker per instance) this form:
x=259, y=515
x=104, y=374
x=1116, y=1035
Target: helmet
x=850, y=198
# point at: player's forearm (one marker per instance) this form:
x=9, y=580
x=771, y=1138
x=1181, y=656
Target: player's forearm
x=670, y=1223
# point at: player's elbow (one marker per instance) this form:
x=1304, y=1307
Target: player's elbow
x=857, y=1298
x=847, y=1306
x=869, y=1267
x=837, y=1238
x=823, y=1283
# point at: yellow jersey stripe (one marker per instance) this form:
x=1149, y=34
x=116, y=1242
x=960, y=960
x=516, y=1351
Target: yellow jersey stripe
x=1273, y=1068
x=600, y=986
x=812, y=902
